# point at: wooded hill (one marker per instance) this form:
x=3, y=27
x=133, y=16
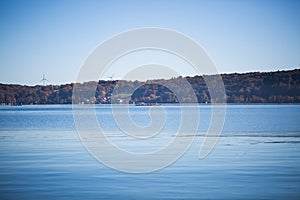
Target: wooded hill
x=255, y=87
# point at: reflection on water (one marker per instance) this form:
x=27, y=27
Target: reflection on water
x=257, y=156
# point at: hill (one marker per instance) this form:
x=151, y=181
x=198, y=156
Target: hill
x=254, y=87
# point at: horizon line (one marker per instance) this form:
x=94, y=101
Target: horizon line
x=187, y=76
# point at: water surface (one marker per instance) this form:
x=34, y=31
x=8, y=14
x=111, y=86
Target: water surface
x=257, y=156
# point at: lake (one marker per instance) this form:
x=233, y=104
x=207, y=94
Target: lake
x=256, y=157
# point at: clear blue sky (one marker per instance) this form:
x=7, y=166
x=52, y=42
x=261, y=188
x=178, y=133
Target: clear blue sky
x=55, y=36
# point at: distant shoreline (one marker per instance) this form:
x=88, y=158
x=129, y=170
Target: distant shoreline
x=281, y=87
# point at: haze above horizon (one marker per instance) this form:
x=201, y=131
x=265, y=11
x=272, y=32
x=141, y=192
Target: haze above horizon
x=55, y=37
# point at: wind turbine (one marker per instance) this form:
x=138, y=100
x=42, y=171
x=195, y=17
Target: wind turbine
x=44, y=80
x=111, y=77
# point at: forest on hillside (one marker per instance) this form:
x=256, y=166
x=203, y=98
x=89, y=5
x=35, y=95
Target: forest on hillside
x=254, y=87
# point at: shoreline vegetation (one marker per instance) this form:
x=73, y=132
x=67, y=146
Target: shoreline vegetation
x=281, y=87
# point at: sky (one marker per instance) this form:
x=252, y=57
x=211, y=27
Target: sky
x=54, y=37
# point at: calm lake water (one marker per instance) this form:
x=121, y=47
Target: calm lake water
x=257, y=157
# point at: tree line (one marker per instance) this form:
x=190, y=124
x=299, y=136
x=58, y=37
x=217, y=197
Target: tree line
x=254, y=87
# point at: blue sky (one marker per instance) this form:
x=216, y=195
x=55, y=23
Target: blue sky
x=55, y=37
